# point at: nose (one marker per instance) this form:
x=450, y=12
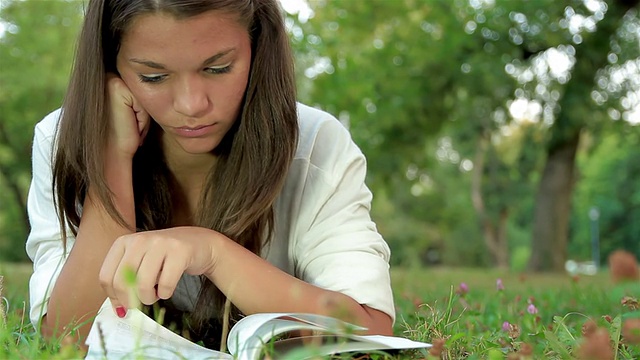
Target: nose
x=190, y=97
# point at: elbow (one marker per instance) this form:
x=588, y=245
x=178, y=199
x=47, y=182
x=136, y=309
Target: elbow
x=346, y=308
x=380, y=323
x=47, y=330
x=54, y=331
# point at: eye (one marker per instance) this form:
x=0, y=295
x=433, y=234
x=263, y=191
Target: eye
x=151, y=78
x=218, y=69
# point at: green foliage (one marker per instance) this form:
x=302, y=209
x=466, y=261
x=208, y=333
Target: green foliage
x=35, y=60
x=407, y=75
x=609, y=183
x=425, y=87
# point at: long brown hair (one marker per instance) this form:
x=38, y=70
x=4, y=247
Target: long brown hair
x=253, y=158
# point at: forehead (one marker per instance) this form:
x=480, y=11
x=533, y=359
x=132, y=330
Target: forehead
x=160, y=31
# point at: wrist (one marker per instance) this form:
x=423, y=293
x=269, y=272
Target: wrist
x=218, y=249
x=118, y=166
x=115, y=157
x=117, y=174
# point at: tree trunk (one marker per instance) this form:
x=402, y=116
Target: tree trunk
x=552, y=209
x=495, y=235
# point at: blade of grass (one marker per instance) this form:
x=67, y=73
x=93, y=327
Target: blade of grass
x=3, y=311
x=556, y=345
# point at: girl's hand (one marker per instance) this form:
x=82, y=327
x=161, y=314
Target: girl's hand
x=158, y=259
x=129, y=122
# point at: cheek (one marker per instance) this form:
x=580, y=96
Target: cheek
x=235, y=88
x=155, y=106
x=229, y=94
x=155, y=102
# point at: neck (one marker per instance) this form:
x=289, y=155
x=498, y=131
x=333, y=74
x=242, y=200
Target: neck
x=187, y=168
x=190, y=169
x=189, y=173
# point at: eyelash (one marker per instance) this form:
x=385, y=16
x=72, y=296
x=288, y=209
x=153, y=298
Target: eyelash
x=151, y=79
x=217, y=71
x=210, y=70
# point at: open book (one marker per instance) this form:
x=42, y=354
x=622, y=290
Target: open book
x=138, y=336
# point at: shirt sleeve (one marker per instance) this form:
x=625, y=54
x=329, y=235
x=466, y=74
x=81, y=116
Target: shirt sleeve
x=338, y=247
x=44, y=243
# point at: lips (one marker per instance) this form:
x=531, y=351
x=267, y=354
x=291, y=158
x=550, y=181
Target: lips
x=186, y=128
x=195, y=131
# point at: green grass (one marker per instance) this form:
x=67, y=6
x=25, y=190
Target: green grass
x=483, y=323
x=471, y=325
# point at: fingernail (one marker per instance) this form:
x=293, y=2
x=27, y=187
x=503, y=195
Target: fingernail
x=121, y=311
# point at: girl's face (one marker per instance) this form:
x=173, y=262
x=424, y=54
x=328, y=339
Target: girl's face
x=190, y=75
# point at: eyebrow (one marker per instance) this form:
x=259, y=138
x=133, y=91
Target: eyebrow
x=155, y=65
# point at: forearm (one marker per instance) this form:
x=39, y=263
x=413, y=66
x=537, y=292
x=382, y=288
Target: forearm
x=255, y=286
x=77, y=294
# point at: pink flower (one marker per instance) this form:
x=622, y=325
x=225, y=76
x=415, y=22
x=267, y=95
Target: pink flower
x=506, y=326
x=499, y=284
x=532, y=309
x=463, y=288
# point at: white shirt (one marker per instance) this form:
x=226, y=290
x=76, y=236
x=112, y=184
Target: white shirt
x=323, y=232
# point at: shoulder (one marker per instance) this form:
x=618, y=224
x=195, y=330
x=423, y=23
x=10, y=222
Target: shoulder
x=314, y=122
x=46, y=128
x=323, y=140
x=44, y=134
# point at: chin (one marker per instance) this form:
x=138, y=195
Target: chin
x=200, y=148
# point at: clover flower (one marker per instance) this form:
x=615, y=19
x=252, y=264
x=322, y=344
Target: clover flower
x=463, y=288
x=506, y=326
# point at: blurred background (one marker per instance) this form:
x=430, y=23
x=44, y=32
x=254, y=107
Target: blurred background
x=498, y=133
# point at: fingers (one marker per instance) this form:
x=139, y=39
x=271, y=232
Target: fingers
x=169, y=277
x=141, y=115
x=125, y=279
x=147, y=276
x=144, y=123
x=128, y=119
x=107, y=275
x=123, y=271
x=136, y=268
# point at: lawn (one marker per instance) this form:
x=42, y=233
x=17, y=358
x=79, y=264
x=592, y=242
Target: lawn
x=467, y=313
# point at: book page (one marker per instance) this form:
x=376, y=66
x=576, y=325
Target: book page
x=247, y=340
x=325, y=344
x=255, y=325
x=138, y=336
x=251, y=334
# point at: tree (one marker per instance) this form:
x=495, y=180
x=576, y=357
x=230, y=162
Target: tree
x=438, y=75
x=553, y=199
x=406, y=74
x=35, y=58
